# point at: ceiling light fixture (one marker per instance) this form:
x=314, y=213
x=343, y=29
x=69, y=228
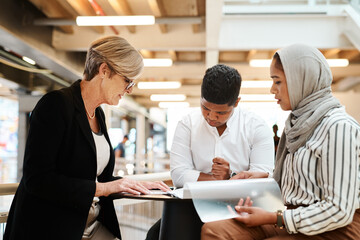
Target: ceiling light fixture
x=174, y=104
x=256, y=84
x=158, y=62
x=114, y=20
x=158, y=85
x=167, y=97
x=340, y=62
x=258, y=98
x=260, y=62
x=28, y=60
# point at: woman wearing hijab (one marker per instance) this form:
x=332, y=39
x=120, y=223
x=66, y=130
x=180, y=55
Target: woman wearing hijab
x=317, y=163
x=69, y=161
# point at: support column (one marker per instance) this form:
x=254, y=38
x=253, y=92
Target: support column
x=26, y=105
x=140, y=141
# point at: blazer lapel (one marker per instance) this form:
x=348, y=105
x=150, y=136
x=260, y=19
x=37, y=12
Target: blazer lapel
x=81, y=114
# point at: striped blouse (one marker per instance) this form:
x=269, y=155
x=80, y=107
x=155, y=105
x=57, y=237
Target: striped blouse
x=324, y=174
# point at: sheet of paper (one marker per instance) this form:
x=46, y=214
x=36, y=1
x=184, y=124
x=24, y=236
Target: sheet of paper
x=216, y=200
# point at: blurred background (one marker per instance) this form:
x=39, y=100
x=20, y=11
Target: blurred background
x=43, y=46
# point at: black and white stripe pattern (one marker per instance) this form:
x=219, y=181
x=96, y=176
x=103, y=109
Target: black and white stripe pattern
x=324, y=174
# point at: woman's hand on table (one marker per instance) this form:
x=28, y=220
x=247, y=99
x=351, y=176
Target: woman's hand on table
x=128, y=185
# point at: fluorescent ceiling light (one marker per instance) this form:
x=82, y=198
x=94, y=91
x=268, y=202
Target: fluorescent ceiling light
x=158, y=62
x=174, y=104
x=167, y=97
x=258, y=98
x=158, y=85
x=260, y=62
x=114, y=20
x=341, y=62
x=256, y=84
x=29, y=60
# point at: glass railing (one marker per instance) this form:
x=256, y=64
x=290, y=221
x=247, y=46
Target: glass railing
x=356, y=5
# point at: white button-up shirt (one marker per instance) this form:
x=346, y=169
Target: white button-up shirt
x=247, y=144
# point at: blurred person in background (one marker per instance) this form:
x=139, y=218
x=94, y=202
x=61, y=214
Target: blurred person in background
x=120, y=148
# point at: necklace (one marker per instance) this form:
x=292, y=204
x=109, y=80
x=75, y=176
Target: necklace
x=91, y=117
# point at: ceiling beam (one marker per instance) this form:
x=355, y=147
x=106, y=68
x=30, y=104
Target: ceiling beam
x=213, y=20
x=122, y=7
x=331, y=53
x=174, y=40
x=350, y=54
x=158, y=9
x=194, y=8
x=173, y=55
x=52, y=9
x=147, y=54
x=83, y=8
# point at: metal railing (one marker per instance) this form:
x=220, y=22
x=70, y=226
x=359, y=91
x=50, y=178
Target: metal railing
x=5, y=190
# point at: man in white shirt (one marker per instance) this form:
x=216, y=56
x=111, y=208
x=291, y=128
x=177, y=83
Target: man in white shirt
x=220, y=140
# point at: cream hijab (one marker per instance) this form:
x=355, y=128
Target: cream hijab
x=308, y=78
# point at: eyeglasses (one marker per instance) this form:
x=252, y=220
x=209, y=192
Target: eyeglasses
x=130, y=82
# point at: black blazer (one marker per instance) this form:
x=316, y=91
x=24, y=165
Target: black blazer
x=58, y=183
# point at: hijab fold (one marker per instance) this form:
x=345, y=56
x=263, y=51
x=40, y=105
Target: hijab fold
x=309, y=79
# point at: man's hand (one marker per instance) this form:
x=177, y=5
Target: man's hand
x=247, y=174
x=220, y=169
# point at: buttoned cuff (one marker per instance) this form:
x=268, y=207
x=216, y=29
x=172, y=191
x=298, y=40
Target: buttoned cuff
x=289, y=221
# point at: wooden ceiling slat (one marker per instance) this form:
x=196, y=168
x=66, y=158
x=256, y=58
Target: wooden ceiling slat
x=122, y=7
x=83, y=8
x=147, y=53
x=158, y=9
x=233, y=56
x=189, y=56
x=181, y=8
x=52, y=9
x=250, y=55
x=195, y=27
x=349, y=54
x=173, y=55
x=331, y=53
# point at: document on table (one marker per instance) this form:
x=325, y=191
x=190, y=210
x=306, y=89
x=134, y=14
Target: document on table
x=216, y=200
x=178, y=193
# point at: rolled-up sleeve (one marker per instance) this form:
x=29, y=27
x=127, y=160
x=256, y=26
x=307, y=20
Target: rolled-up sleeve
x=181, y=162
x=262, y=150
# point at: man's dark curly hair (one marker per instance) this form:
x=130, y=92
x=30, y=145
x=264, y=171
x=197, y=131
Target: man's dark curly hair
x=221, y=85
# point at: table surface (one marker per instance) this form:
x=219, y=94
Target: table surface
x=155, y=197
x=177, y=212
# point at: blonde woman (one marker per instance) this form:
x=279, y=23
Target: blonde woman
x=317, y=163
x=69, y=160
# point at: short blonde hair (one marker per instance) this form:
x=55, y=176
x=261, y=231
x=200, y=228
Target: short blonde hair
x=117, y=53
